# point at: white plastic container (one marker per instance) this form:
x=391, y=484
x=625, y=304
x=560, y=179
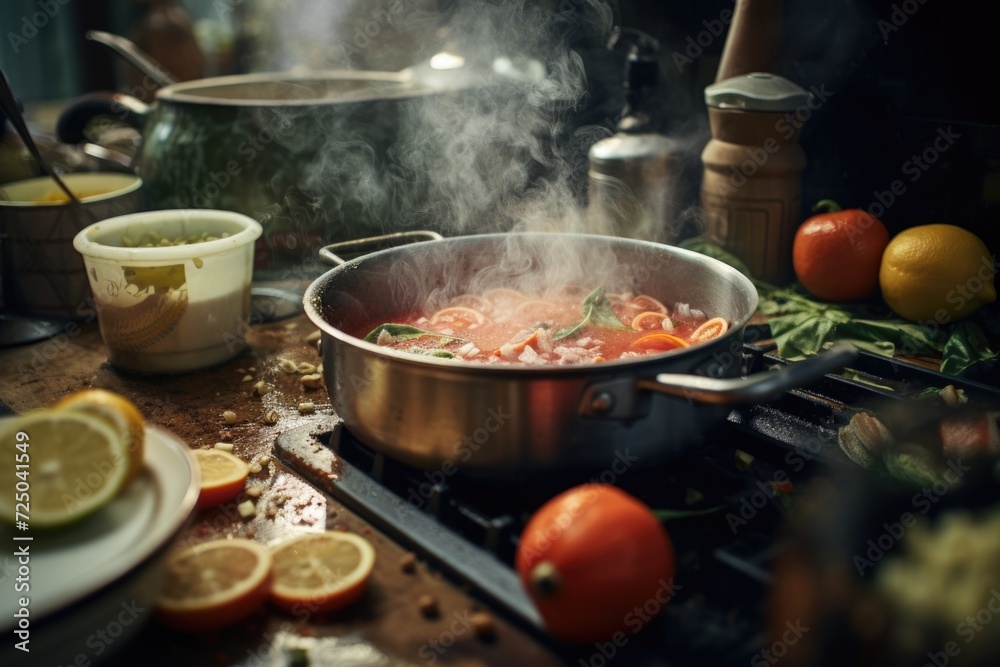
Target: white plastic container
x=177, y=308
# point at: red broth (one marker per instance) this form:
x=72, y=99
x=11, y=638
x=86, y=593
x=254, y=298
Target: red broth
x=503, y=326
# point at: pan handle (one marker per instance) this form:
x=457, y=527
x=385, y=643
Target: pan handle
x=336, y=254
x=617, y=399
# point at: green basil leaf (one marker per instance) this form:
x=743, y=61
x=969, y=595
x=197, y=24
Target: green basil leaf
x=440, y=354
x=405, y=332
x=801, y=334
x=596, y=310
x=909, y=338
x=967, y=345
x=601, y=313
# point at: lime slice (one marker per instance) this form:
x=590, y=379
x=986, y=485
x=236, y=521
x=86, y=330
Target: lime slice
x=121, y=413
x=60, y=466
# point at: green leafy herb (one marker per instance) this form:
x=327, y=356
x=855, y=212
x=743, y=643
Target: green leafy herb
x=802, y=326
x=406, y=332
x=967, y=345
x=440, y=354
x=668, y=515
x=597, y=311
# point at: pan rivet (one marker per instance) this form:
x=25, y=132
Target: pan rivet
x=602, y=403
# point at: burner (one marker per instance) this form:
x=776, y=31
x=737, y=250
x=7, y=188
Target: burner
x=724, y=506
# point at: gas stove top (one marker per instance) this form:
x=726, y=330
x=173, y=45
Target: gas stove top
x=724, y=506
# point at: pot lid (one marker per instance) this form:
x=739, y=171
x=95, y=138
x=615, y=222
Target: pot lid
x=757, y=91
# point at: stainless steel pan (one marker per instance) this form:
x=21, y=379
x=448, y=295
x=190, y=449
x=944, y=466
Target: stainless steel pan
x=447, y=414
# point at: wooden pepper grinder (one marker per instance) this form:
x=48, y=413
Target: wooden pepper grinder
x=755, y=39
x=166, y=33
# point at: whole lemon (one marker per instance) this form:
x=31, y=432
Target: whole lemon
x=936, y=272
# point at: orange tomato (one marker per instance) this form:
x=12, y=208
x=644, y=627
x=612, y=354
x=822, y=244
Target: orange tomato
x=837, y=254
x=661, y=342
x=714, y=328
x=590, y=557
x=648, y=321
x=458, y=317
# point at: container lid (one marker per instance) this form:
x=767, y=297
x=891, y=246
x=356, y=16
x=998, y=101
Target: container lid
x=757, y=91
x=631, y=147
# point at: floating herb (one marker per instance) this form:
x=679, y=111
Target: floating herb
x=597, y=311
x=406, y=332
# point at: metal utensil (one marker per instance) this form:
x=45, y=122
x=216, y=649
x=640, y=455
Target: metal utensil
x=134, y=55
x=9, y=106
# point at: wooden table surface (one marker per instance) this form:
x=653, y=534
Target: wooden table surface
x=386, y=620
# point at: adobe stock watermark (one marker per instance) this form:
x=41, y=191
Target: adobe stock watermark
x=45, y=353
x=778, y=649
x=694, y=47
x=785, y=128
x=32, y=23
x=914, y=168
x=923, y=502
x=366, y=31
x=968, y=629
x=634, y=621
x=431, y=651
x=796, y=459
x=898, y=17
x=252, y=145
x=463, y=450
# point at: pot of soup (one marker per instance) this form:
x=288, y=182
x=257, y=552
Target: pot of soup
x=518, y=353
x=309, y=155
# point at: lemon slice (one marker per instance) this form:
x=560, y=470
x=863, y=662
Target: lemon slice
x=214, y=584
x=321, y=572
x=223, y=476
x=74, y=464
x=120, y=413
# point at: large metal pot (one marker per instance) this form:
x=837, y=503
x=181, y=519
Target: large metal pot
x=448, y=414
x=274, y=146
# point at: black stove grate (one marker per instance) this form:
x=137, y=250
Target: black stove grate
x=468, y=528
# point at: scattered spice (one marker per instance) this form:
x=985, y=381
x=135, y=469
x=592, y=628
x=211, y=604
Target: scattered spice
x=247, y=509
x=312, y=381
x=483, y=626
x=408, y=563
x=428, y=606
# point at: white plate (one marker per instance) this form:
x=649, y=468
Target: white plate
x=70, y=564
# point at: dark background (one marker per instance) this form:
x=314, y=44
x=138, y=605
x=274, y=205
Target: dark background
x=938, y=70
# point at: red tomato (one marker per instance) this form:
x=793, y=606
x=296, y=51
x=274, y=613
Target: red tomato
x=595, y=561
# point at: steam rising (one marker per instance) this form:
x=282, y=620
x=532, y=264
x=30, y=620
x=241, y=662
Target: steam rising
x=498, y=155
